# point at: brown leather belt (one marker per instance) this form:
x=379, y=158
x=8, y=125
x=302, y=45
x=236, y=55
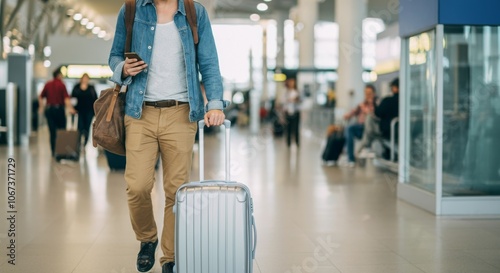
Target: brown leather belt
x=164, y=103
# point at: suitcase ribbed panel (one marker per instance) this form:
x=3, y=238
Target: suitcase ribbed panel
x=213, y=229
x=67, y=144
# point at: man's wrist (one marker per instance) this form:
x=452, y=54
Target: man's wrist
x=124, y=74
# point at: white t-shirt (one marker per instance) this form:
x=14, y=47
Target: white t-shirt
x=291, y=101
x=167, y=70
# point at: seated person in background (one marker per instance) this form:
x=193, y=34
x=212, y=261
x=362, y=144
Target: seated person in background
x=379, y=124
x=356, y=130
x=388, y=110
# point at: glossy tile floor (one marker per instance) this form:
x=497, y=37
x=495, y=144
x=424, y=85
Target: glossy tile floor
x=73, y=217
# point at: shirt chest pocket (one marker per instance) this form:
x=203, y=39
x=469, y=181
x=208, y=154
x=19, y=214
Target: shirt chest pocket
x=142, y=35
x=183, y=32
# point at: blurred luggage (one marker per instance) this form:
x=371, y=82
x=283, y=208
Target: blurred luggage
x=119, y=162
x=68, y=141
x=215, y=228
x=335, y=143
x=279, y=122
x=115, y=162
x=278, y=128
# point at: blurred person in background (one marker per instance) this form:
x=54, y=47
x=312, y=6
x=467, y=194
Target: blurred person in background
x=356, y=129
x=86, y=95
x=378, y=124
x=291, y=107
x=56, y=101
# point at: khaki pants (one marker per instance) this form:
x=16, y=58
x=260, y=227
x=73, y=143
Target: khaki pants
x=166, y=131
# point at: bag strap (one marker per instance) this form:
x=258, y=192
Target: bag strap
x=129, y=22
x=111, y=107
x=192, y=19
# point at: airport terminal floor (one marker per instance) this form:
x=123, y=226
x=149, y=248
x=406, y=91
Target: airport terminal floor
x=73, y=216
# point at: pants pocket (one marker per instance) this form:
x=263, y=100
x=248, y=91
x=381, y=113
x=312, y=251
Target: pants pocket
x=185, y=142
x=133, y=134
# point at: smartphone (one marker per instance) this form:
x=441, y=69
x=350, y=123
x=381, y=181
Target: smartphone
x=133, y=55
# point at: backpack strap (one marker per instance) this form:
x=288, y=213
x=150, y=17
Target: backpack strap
x=192, y=19
x=129, y=22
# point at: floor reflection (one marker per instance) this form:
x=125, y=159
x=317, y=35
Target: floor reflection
x=73, y=216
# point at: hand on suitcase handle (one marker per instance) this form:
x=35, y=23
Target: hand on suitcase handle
x=214, y=117
x=227, y=123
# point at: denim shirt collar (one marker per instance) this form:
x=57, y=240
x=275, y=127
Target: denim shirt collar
x=180, y=9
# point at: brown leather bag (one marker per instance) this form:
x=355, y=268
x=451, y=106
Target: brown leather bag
x=108, y=129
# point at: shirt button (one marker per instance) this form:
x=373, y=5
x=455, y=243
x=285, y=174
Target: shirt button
x=152, y=28
x=145, y=70
x=140, y=92
x=149, y=47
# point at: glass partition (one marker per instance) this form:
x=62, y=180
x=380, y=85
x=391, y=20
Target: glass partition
x=450, y=120
x=471, y=111
x=421, y=92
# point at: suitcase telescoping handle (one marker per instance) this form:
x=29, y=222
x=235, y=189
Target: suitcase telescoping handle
x=227, y=126
x=72, y=122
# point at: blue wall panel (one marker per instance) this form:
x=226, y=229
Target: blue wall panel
x=417, y=16
x=467, y=12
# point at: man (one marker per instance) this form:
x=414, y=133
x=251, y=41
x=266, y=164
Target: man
x=379, y=124
x=388, y=110
x=57, y=99
x=163, y=103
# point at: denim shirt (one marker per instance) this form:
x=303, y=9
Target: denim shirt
x=202, y=59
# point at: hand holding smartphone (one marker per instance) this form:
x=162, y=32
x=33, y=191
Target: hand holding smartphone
x=133, y=68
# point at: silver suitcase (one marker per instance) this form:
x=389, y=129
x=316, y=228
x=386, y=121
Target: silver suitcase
x=215, y=228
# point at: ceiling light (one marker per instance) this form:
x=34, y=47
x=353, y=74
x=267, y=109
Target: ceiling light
x=77, y=17
x=47, y=51
x=84, y=21
x=47, y=63
x=102, y=34
x=96, y=30
x=268, y=0
x=255, y=17
x=262, y=7
x=90, y=25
